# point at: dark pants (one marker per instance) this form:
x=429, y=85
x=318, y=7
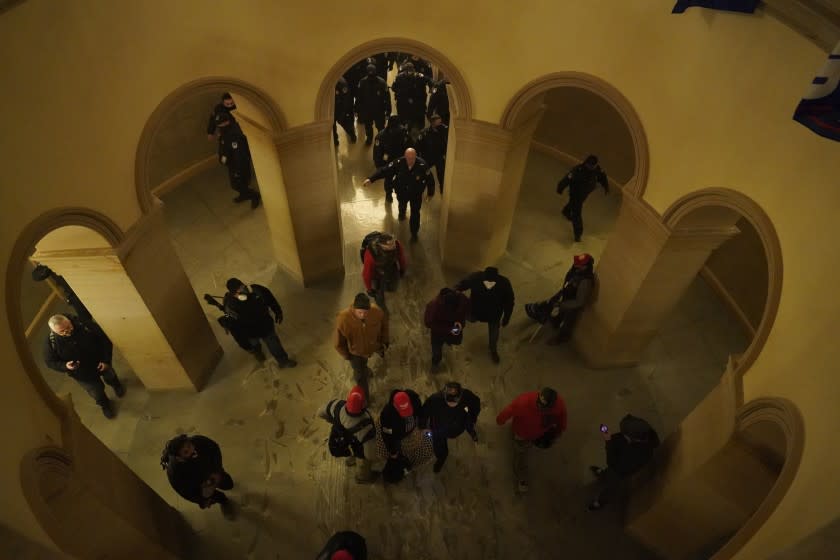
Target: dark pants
x=389, y=186
x=440, y=443
x=416, y=202
x=573, y=211
x=348, y=126
x=610, y=486
x=440, y=171
x=412, y=114
x=240, y=181
x=382, y=285
x=96, y=389
x=360, y=373
x=437, y=345
x=378, y=121
x=272, y=341
x=493, y=328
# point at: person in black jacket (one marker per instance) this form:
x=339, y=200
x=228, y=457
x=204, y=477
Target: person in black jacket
x=373, y=102
x=448, y=414
x=581, y=181
x=409, y=89
x=411, y=177
x=432, y=144
x=226, y=105
x=390, y=145
x=399, y=418
x=82, y=351
x=344, y=545
x=235, y=154
x=193, y=465
x=628, y=452
x=439, y=102
x=491, y=302
x=343, y=111
x=249, y=307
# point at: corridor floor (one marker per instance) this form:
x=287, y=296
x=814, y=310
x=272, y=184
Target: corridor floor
x=293, y=495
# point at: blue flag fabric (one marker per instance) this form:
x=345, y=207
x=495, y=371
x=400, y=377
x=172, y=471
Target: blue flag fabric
x=744, y=6
x=819, y=109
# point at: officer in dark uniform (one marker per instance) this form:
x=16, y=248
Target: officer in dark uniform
x=390, y=145
x=439, y=102
x=235, y=154
x=411, y=177
x=420, y=66
x=383, y=64
x=226, y=105
x=410, y=92
x=431, y=146
x=373, y=103
x=344, y=111
x=82, y=351
x=581, y=181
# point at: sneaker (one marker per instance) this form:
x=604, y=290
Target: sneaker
x=522, y=487
x=390, y=198
x=108, y=411
x=287, y=363
x=594, y=505
x=240, y=198
x=255, y=202
x=495, y=357
x=120, y=390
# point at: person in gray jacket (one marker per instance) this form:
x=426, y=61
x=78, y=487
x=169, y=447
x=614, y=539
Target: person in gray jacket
x=563, y=308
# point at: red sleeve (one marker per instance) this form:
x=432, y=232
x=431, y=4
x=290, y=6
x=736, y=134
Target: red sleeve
x=368, y=268
x=560, y=410
x=513, y=408
x=401, y=255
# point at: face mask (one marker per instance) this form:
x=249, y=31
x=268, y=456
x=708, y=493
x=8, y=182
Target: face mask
x=242, y=297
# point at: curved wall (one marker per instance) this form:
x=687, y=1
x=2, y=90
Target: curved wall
x=714, y=91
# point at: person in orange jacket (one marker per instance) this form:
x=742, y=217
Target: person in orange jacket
x=539, y=417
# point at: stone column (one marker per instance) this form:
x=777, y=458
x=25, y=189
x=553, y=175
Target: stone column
x=140, y=295
x=307, y=157
x=644, y=270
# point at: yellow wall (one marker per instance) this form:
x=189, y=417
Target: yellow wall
x=579, y=123
x=714, y=91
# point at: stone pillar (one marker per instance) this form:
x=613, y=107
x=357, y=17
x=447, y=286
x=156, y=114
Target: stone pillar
x=307, y=156
x=644, y=270
x=143, y=300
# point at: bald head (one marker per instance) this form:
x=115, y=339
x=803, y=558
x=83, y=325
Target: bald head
x=60, y=325
x=410, y=156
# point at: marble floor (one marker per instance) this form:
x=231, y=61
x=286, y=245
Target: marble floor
x=293, y=495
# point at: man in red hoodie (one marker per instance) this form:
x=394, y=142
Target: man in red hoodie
x=539, y=417
x=384, y=263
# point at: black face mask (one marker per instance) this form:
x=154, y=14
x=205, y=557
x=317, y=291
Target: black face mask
x=229, y=109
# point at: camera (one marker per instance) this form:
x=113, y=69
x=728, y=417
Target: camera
x=604, y=429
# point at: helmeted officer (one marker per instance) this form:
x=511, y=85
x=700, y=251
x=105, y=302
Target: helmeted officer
x=439, y=101
x=343, y=112
x=410, y=91
x=390, y=145
x=581, y=181
x=235, y=154
x=411, y=177
x=373, y=102
x=431, y=146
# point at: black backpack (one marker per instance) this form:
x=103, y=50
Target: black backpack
x=343, y=441
x=369, y=238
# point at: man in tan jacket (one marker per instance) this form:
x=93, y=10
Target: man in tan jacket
x=361, y=330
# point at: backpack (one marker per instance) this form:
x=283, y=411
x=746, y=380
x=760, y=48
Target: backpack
x=369, y=238
x=343, y=441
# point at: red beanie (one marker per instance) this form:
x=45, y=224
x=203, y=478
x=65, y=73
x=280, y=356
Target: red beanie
x=582, y=260
x=355, y=400
x=341, y=555
x=402, y=402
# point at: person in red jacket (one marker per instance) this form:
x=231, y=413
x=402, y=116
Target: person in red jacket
x=539, y=417
x=445, y=317
x=383, y=264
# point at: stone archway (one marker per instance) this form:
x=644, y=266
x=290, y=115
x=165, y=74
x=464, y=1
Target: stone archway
x=519, y=106
x=460, y=97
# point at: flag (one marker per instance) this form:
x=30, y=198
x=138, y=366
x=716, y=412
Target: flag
x=819, y=109
x=744, y=6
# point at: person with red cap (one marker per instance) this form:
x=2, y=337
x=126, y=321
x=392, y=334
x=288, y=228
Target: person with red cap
x=581, y=181
x=563, y=308
x=353, y=434
x=539, y=417
x=344, y=545
x=398, y=419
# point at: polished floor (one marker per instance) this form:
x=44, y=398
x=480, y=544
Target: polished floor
x=293, y=495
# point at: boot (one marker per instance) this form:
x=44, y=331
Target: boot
x=495, y=357
x=287, y=363
x=258, y=354
x=389, y=198
x=256, y=200
x=119, y=389
x=108, y=410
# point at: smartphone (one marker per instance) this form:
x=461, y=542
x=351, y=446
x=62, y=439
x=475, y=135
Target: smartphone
x=604, y=429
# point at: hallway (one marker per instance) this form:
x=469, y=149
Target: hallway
x=293, y=494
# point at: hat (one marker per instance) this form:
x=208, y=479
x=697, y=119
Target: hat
x=402, y=402
x=361, y=301
x=591, y=160
x=491, y=273
x=582, y=260
x=549, y=395
x=234, y=284
x=450, y=297
x=341, y=555
x=371, y=68
x=355, y=400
